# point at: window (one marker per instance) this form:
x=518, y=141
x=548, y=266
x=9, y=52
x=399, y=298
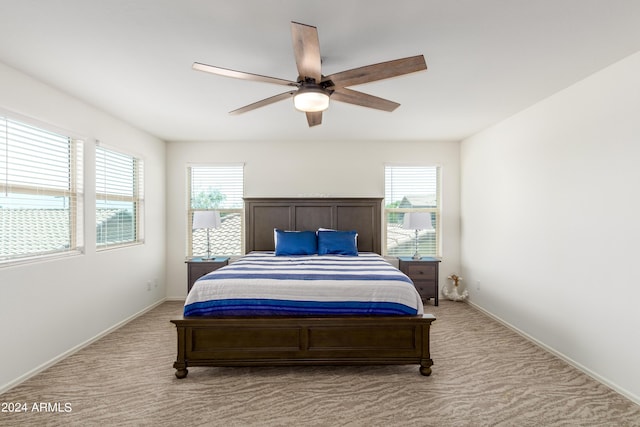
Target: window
x=119, y=198
x=411, y=189
x=40, y=192
x=216, y=188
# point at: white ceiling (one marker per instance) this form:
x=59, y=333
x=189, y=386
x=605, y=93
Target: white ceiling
x=487, y=59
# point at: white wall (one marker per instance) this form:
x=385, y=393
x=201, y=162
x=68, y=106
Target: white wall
x=48, y=308
x=297, y=169
x=549, y=220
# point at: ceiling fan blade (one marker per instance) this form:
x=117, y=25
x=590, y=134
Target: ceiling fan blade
x=365, y=100
x=380, y=71
x=241, y=74
x=306, y=49
x=264, y=102
x=314, y=118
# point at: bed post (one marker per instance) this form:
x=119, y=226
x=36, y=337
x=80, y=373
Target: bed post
x=180, y=364
x=425, y=361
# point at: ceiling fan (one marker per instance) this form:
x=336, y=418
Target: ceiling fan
x=312, y=90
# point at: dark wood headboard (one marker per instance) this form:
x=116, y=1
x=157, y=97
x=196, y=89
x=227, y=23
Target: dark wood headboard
x=262, y=215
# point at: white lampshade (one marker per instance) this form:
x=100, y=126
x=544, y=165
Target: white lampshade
x=206, y=219
x=311, y=99
x=417, y=221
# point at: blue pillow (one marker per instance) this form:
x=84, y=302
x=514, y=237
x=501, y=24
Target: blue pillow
x=296, y=242
x=337, y=243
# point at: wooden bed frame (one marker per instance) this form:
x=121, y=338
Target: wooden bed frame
x=313, y=340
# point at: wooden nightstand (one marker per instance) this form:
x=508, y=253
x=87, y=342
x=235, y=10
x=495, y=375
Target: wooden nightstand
x=198, y=267
x=424, y=274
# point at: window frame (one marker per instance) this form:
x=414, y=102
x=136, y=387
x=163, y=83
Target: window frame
x=137, y=197
x=75, y=183
x=222, y=211
x=436, y=211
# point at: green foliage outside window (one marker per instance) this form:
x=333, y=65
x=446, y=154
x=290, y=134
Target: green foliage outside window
x=211, y=199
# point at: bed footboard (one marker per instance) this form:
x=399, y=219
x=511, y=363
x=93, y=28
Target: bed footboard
x=280, y=341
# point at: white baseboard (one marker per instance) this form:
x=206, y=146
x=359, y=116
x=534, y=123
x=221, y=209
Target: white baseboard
x=635, y=399
x=6, y=387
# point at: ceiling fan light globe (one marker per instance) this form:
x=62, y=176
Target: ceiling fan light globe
x=311, y=100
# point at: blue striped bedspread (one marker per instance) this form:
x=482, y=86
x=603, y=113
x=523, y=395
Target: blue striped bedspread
x=261, y=283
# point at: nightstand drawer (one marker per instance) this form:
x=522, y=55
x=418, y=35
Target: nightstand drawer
x=197, y=269
x=417, y=270
x=200, y=269
x=426, y=288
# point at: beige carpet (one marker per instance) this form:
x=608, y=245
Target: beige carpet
x=484, y=375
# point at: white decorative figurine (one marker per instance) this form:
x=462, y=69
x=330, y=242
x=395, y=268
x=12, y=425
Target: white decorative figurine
x=454, y=294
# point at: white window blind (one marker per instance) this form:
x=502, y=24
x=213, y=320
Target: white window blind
x=40, y=192
x=218, y=188
x=119, y=198
x=412, y=189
